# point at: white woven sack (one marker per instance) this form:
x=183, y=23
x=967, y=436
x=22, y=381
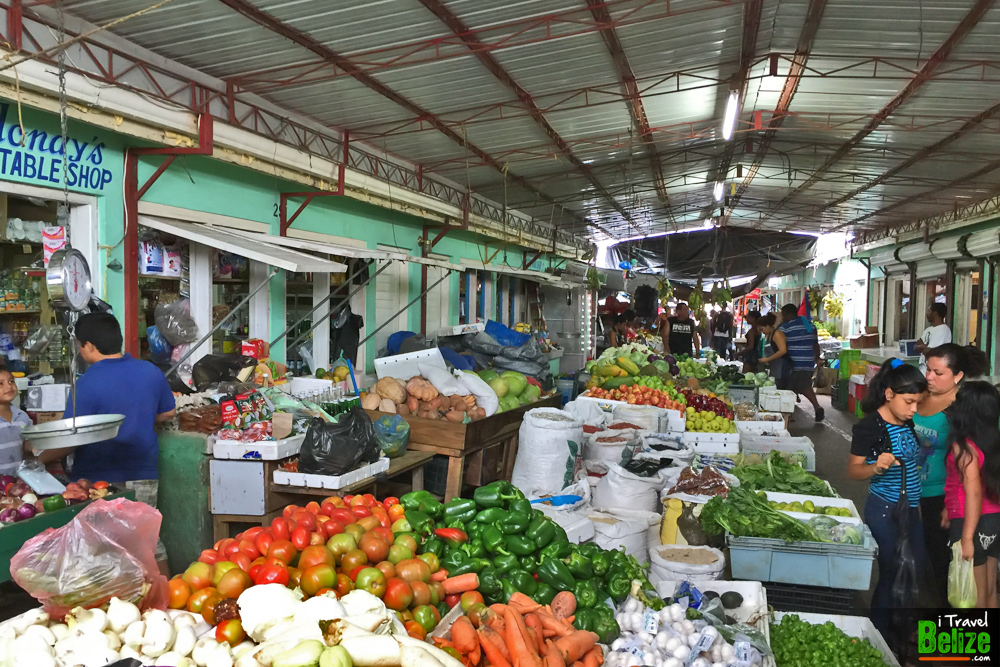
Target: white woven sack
x=588, y=412
x=662, y=569
x=646, y=416
x=620, y=489
x=624, y=529
x=611, y=452
x=549, y=452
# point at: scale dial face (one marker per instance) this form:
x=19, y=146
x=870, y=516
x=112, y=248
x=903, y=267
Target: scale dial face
x=68, y=278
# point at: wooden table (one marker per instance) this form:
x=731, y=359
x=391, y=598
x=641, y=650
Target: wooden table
x=281, y=495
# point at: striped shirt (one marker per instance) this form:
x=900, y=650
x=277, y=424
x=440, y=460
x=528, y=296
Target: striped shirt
x=10, y=440
x=801, y=344
x=888, y=484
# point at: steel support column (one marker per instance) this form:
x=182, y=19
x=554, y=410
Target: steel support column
x=285, y=221
x=15, y=14
x=133, y=193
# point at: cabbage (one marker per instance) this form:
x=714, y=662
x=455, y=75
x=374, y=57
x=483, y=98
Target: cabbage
x=761, y=377
x=749, y=378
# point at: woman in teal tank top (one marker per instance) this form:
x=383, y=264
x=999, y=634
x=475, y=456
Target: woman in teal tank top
x=947, y=366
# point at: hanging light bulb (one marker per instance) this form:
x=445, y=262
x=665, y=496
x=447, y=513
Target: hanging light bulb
x=720, y=189
x=729, y=122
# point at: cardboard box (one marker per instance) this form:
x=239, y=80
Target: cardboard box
x=256, y=348
x=46, y=417
x=864, y=341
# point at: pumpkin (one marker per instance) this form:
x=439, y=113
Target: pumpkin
x=391, y=389
x=370, y=402
x=387, y=405
x=421, y=388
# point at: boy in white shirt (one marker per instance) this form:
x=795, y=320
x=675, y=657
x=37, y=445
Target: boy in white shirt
x=938, y=333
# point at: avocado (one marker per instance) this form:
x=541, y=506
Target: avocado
x=731, y=599
x=710, y=595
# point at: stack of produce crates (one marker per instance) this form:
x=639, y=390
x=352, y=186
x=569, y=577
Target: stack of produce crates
x=844, y=367
x=840, y=393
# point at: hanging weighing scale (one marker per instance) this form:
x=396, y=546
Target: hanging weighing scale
x=70, y=288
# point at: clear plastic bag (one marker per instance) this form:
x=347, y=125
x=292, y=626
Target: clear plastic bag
x=107, y=550
x=393, y=434
x=175, y=322
x=961, y=581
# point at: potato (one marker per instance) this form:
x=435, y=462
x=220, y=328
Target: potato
x=403, y=409
x=413, y=403
x=455, y=416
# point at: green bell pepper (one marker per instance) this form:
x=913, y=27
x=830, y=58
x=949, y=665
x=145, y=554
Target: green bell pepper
x=541, y=531
x=474, y=529
x=537, y=514
x=607, y=629
x=491, y=515
x=586, y=593
x=601, y=562
x=543, y=594
x=508, y=590
x=602, y=595
x=522, y=505
x=519, y=545
x=580, y=566
x=523, y=581
x=470, y=565
x=463, y=509
x=589, y=549
x=586, y=619
x=557, y=549
x=555, y=573
x=496, y=494
x=434, y=545
x=422, y=501
x=529, y=563
x=619, y=585
x=489, y=582
x=475, y=548
x=561, y=535
x=505, y=563
x=515, y=523
x=422, y=522
x=493, y=540
x=453, y=559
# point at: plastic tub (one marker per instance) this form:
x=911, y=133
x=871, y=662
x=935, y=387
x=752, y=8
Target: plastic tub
x=764, y=445
x=854, y=626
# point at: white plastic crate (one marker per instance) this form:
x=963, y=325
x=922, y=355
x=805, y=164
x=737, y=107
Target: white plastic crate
x=712, y=443
x=773, y=429
x=263, y=451
x=751, y=614
x=778, y=401
x=332, y=482
x=818, y=501
x=764, y=445
x=855, y=626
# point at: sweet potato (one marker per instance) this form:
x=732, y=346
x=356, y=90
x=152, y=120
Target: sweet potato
x=413, y=403
x=455, y=416
x=403, y=409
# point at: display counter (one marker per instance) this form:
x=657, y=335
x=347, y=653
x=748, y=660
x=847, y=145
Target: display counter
x=879, y=355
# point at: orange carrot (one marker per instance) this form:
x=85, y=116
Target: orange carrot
x=496, y=639
x=594, y=657
x=440, y=575
x=493, y=654
x=577, y=664
x=575, y=646
x=498, y=609
x=563, y=604
x=520, y=646
x=553, y=626
x=534, y=625
x=461, y=584
x=552, y=658
x=463, y=635
x=523, y=604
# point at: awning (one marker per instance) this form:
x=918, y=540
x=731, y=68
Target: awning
x=240, y=244
x=326, y=247
x=538, y=276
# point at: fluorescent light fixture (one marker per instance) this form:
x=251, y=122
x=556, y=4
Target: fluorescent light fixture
x=729, y=122
x=720, y=189
x=708, y=223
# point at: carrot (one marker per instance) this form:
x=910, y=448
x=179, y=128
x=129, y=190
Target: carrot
x=491, y=650
x=521, y=650
x=594, y=657
x=523, y=604
x=577, y=664
x=552, y=626
x=463, y=635
x=440, y=575
x=553, y=659
x=575, y=646
x=563, y=604
x=496, y=639
x=534, y=625
x=461, y=584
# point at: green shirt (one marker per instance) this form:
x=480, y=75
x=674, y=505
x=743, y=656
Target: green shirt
x=932, y=433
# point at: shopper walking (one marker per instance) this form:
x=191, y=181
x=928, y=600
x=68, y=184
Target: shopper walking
x=802, y=342
x=947, y=367
x=882, y=439
x=722, y=332
x=777, y=359
x=972, y=483
x=937, y=334
x=680, y=335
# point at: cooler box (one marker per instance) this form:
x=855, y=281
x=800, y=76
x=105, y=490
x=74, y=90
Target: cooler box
x=906, y=348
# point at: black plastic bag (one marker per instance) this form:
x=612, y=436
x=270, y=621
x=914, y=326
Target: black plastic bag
x=333, y=448
x=216, y=368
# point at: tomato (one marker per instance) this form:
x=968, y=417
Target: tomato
x=280, y=529
x=407, y=540
x=361, y=511
x=387, y=568
x=370, y=500
x=384, y=534
x=415, y=630
x=242, y=561
x=470, y=598
x=287, y=512
x=300, y=537
x=230, y=632
x=233, y=583
x=329, y=592
x=283, y=550
x=316, y=538
x=221, y=545
x=374, y=547
x=337, y=501
x=316, y=578
x=208, y=608
x=344, y=585
x=179, y=593
x=427, y=616
x=477, y=613
x=247, y=547
x=369, y=523
x=382, y=516
x=254, y=570
x=353, y=574
x=232, y=549
x=263, y=542
x=421, y=593
x=340, y=544
x=433, y=562
x=272, y=574
x=209, y=556
x=326, y=508
x=249, y=535
x=312, y=507
x=220, y=569
x=356, y=531
x=397, y=553
x=452, y=600
x=332, y=527
x=304, y=519
x=315, y=555
x=343, y=515
x=398, y=594
x=353, y=559
x=294, y=577
x=390, y=501
x=198, y=575
x=437, y=592
x=373, y=581
x=413, y=569
x=396, y=512
x=197, y=599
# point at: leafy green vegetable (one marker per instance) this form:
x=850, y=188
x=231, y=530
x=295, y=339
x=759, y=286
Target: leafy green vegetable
x=743, y=513
x=776, y=474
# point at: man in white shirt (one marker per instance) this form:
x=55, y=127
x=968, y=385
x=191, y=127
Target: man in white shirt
x=938, y=333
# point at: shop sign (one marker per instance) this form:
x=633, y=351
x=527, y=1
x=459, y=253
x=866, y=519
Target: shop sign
x=38, y=156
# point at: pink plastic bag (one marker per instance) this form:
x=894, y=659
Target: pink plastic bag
x=106, y=551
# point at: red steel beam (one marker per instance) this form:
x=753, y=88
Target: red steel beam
x=814, y=14
x=926, y=71
x=489, y=61
x=630, y=89
x=249, y=11
x=15, y=14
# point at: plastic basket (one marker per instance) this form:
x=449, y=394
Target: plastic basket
x=846, y=357
x=840, y=395
x=795, y=597
x=763, y=445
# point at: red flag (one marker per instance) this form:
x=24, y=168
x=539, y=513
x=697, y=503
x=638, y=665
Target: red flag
x=804, y=306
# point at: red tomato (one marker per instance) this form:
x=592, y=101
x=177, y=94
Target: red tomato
x=272, y=574
x=249, y=535
x=254, y=571
x=210, y=556
x=316, y=578
x=304, y=519
x=179, y=593
x=313, y=507
x=452, y=600
x=343, y=515
x=361, y=511
x=287, y=512
x=326, y=508
x=374, y=547
x=232, y=549
x=221, y=545
x=230, y=632
x=390, y=501
x=356, y=571
x=369, y=500
x=283, y=550
x=300, y=537
x=384, y=534
x=382, y=516
x=317, y=537
x=396, y=512
x=398, y=594
x=242, y=561
x=332, y=527
x=247, y=547
x=344, y=585
x=263, y=542
x=280, y=529
x=315, y=555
